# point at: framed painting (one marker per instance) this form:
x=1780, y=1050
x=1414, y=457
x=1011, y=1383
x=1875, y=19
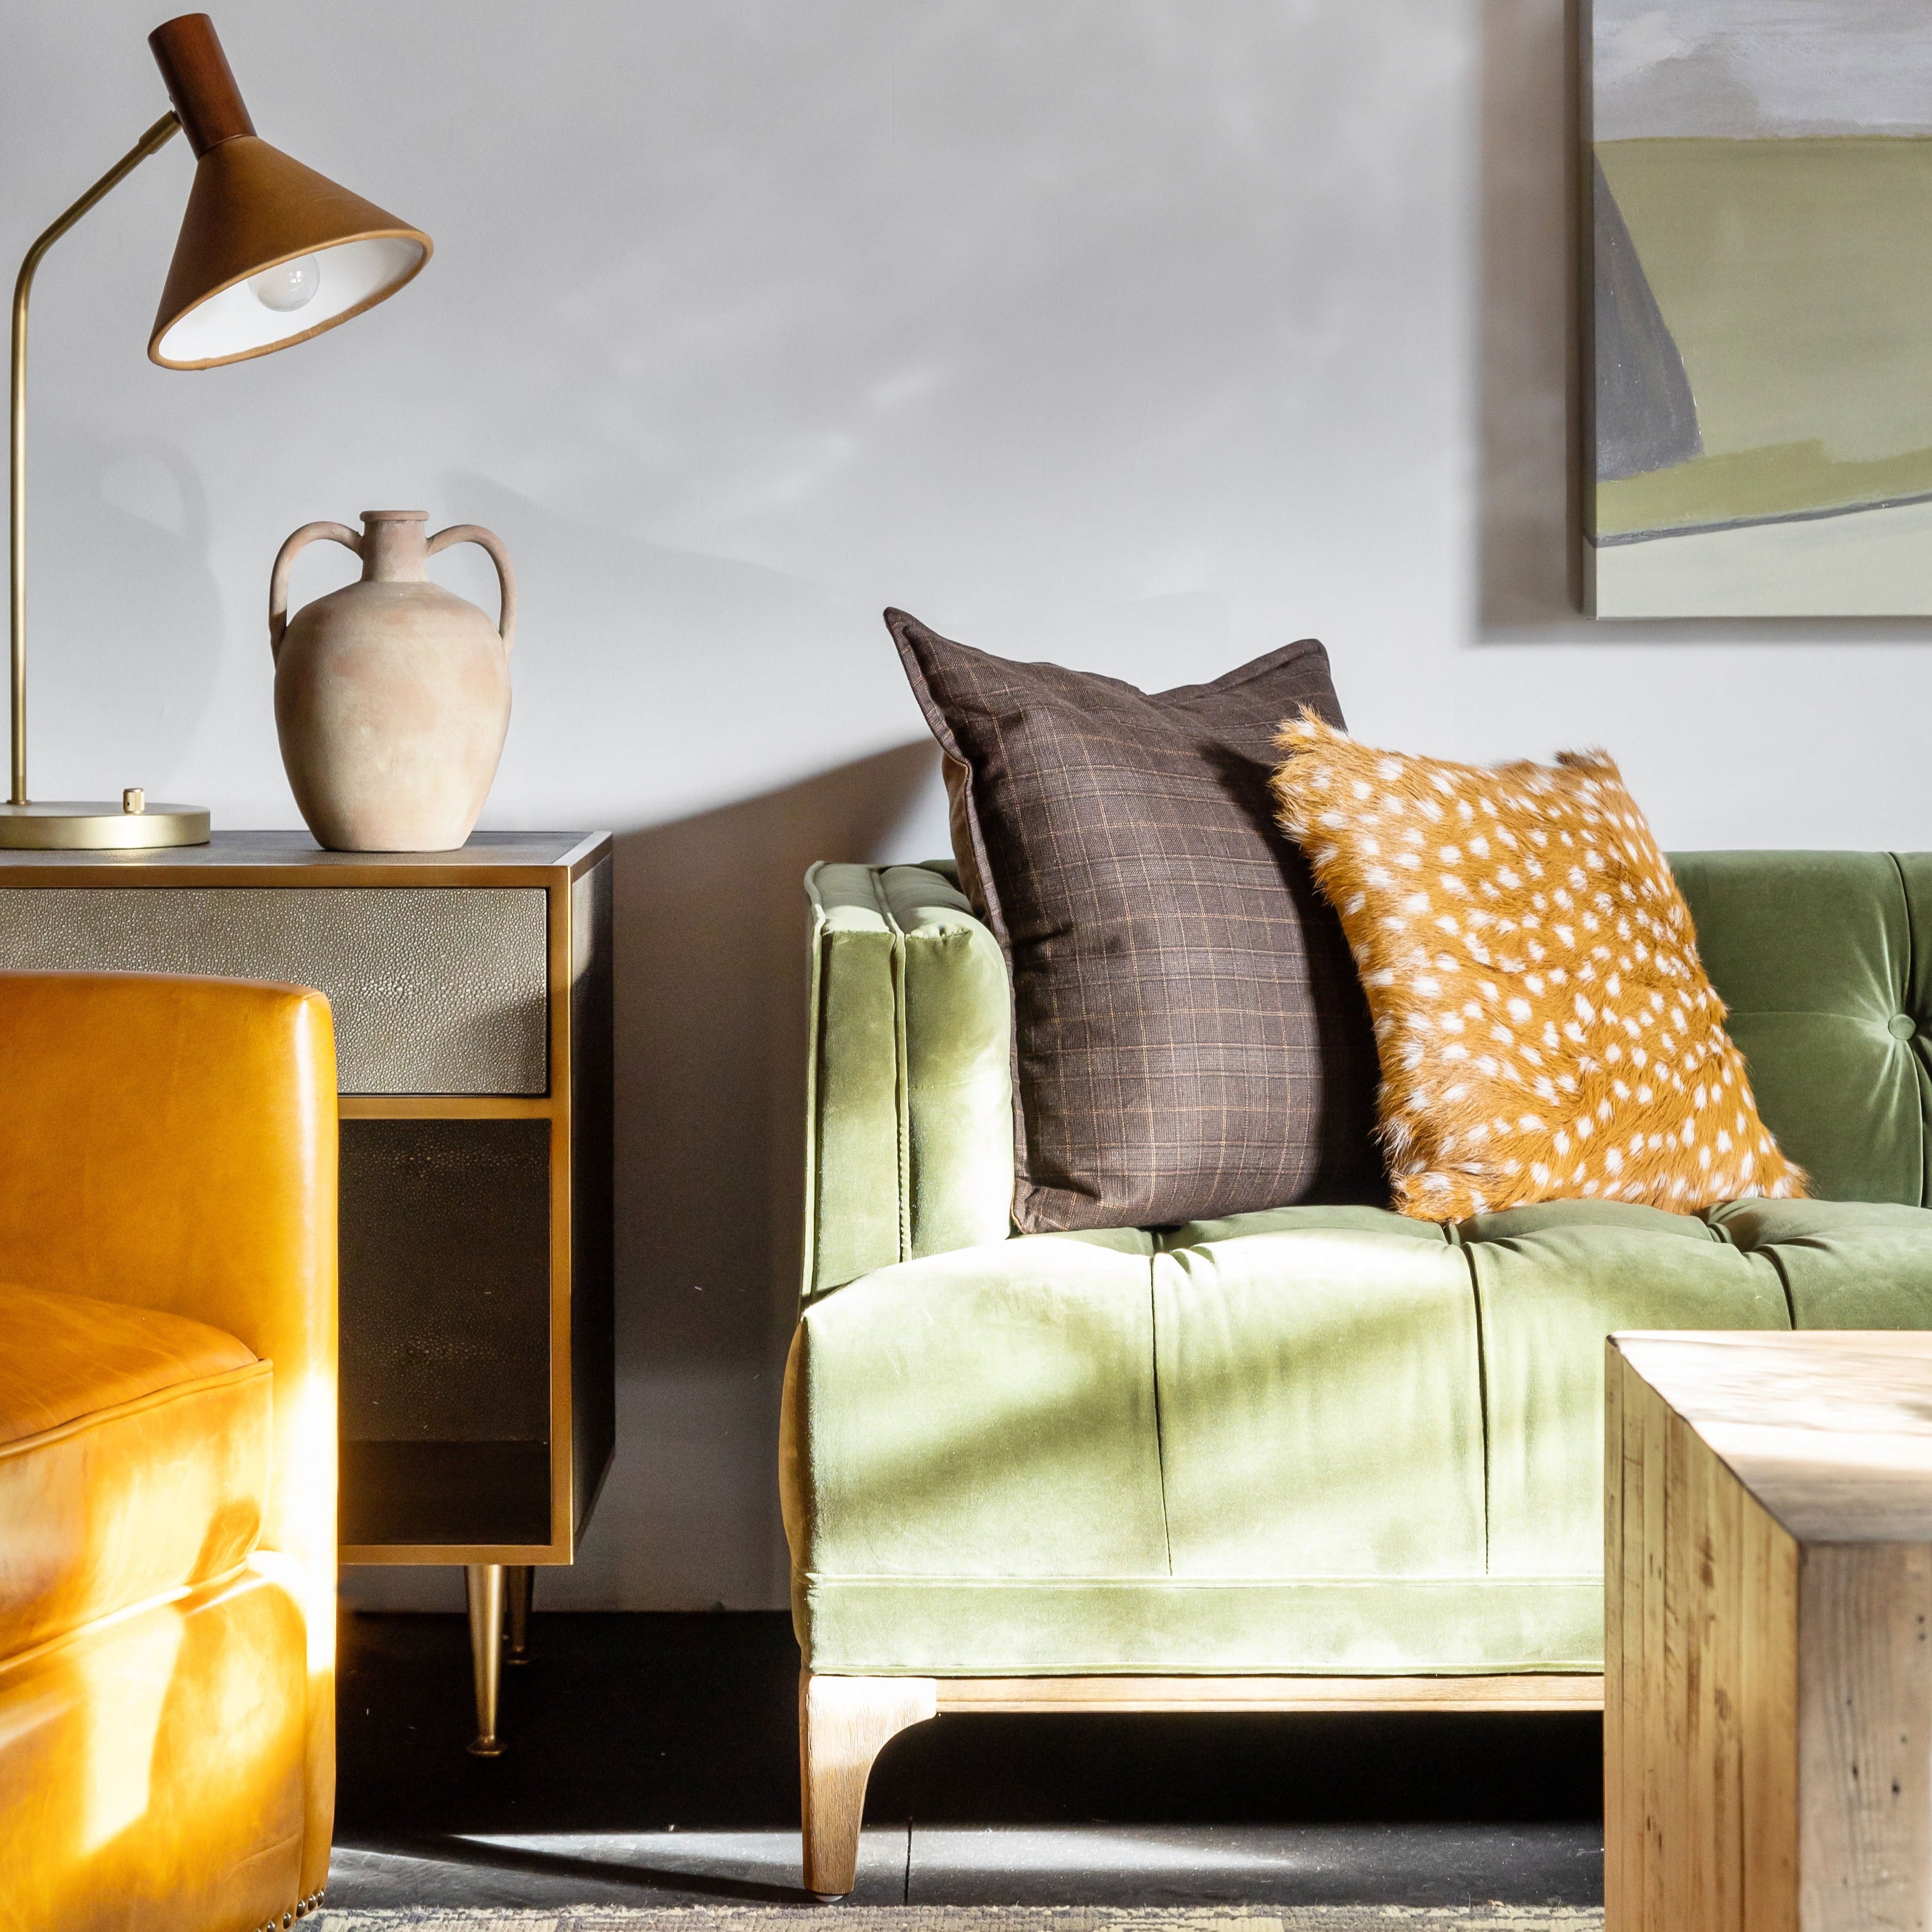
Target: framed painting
x=1757, y=186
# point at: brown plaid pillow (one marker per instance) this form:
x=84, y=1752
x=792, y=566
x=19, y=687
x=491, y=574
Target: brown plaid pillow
x=1189, y=1038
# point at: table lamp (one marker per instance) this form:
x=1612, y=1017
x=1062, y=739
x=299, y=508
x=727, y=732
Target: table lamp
x=270, y=254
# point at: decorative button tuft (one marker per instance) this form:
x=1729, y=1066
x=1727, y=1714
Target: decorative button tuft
x=1901, y=1026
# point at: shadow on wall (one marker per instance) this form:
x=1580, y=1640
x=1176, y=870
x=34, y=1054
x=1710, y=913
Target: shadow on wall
x=710, y=946
x=110, y=513
x=1526, y=328
x=711, y=927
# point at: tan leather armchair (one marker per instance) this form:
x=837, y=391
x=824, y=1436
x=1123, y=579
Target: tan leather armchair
x=167, y=1452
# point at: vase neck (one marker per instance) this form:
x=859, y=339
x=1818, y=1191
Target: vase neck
x=395, y=546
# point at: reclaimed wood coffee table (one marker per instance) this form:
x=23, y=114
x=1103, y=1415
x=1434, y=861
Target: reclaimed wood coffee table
x=1768, y=1682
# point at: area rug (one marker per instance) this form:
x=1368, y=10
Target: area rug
x=978, y=1919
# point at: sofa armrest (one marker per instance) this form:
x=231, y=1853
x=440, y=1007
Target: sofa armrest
x=909, y=1132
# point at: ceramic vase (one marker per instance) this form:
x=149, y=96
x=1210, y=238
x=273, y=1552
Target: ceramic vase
x=392, y=695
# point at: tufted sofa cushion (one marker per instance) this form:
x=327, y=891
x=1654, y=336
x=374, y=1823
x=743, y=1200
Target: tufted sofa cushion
x=1315, y=1438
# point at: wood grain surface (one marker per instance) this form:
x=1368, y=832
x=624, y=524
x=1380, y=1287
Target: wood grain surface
x=1768, y=1675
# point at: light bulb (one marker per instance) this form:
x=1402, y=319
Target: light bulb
x=288, y=285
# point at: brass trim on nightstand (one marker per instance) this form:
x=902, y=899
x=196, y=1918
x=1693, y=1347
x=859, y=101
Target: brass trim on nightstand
x=445, y=1107
x=562, y=1419
x=442, y=1555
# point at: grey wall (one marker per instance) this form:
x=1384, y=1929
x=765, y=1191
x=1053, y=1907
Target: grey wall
x=1145, y=334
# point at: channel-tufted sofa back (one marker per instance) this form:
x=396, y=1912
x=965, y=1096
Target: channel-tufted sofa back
x=1825, y=959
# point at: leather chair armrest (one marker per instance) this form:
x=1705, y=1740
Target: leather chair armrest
x=171, y=1143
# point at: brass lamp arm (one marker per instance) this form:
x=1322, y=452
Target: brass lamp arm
x=155, y=138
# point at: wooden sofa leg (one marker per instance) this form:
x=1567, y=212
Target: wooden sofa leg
x=844, y=1723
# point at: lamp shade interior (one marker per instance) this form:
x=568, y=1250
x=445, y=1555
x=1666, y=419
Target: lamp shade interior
x=236, y=322
x=271, y=253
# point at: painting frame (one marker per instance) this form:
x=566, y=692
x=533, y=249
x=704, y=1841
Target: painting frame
x=1754, y=191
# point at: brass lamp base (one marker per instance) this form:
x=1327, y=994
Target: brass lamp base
x=68, y=825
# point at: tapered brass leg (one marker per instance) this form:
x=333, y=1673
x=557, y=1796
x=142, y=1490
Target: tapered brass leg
x=484, y=1582
x=520, y=1581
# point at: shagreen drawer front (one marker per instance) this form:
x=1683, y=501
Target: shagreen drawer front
x=436, y=991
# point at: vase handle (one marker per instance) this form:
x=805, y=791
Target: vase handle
x=285, y=558
x=506, y=577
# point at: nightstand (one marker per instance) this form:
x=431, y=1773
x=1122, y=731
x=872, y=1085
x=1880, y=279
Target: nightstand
x=471, y=992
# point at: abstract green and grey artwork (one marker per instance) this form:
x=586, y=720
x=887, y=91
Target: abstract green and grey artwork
x=1758, y=192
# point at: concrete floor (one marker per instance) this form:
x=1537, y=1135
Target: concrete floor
x=653, y=1760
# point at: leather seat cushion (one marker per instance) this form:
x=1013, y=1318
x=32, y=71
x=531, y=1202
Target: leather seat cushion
x=135, y=1453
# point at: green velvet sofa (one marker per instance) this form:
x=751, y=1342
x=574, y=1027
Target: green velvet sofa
x=1313, y=1457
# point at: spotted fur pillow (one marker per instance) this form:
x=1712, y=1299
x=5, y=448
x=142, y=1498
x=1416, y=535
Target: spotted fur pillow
x=1545, y=1026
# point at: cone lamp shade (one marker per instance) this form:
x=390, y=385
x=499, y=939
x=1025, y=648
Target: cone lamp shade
x=271, y=252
